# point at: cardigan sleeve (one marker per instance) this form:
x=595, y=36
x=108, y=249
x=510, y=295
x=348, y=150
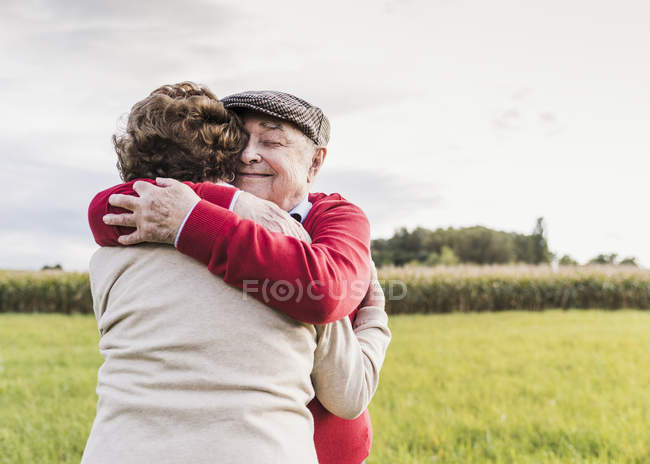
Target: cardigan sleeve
x=106, y=235
x=313, y=283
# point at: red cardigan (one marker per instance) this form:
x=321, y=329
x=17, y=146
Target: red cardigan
x=328, y=276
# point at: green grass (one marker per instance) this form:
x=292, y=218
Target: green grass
x=48, y=374
x=511, y=387
x=515, y=387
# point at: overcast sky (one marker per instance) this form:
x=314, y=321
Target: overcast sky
x=444, y=112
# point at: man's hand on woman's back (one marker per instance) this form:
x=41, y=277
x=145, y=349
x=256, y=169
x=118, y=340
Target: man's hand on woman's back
x=157, y=213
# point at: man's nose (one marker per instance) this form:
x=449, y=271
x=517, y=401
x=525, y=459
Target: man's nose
x=250, y=155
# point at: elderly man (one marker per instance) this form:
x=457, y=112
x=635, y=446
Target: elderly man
x=314, y=283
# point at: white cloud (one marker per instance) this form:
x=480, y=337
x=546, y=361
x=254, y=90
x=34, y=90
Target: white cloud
x=470, y=112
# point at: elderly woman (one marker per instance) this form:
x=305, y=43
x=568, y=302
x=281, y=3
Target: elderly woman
x=194, y=370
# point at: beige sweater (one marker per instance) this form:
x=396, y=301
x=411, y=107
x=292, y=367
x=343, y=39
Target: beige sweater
x=195, y=372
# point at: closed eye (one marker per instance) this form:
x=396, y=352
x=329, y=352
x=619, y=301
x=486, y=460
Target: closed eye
x=272, y=143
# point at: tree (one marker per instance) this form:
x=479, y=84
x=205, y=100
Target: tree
x=481, y=245
x=476, y=244
x=567, y=260
x=629, y=261
x=381, y=252
x=433, y=259
x=56, y=267
x=448, y=257
x=539, y=245
x=604, y=259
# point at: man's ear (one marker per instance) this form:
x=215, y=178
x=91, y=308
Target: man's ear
x=316, y=162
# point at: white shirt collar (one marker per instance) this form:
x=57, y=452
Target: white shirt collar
x=302, y=209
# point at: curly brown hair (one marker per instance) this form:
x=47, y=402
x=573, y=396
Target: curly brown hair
x=180, y=131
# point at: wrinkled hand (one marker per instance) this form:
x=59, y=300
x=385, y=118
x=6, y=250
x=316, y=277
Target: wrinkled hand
x=158, y=212
x=269, y=215
x=375, y=295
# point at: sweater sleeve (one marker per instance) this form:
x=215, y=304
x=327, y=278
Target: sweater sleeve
x=313, y=283
x=106, y=235
x=347, y=361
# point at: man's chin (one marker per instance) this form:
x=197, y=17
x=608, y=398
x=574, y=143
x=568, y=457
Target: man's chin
x=254, y=187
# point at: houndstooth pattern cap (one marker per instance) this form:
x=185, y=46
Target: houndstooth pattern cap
x=310, y=119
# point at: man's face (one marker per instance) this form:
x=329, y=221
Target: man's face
x=278, y=163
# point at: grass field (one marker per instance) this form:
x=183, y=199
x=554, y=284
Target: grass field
x=512, y=387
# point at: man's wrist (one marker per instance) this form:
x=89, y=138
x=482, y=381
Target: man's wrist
x=234, y=199
x=180, y=229
x=217, y=194
x=204, y=230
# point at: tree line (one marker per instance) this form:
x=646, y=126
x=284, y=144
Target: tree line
x=477, y=245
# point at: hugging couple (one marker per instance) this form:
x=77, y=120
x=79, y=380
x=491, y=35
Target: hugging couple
x=240, y=315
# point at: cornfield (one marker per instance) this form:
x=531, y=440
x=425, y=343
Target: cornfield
x=443, y=289
x=45, y=292
x=439, y=289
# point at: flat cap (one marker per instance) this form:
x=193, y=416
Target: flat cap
x=310, y=119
